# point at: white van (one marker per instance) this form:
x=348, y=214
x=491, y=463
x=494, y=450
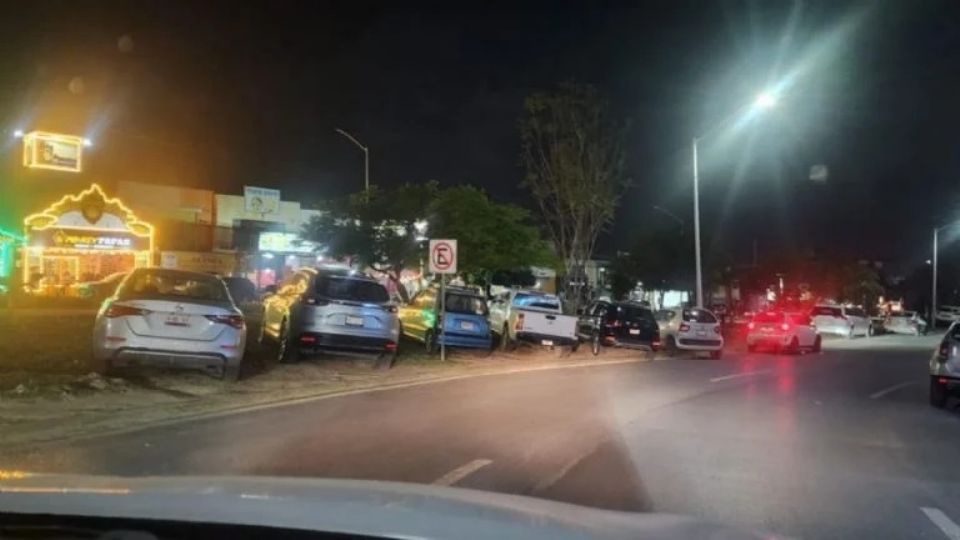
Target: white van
x=841, y=321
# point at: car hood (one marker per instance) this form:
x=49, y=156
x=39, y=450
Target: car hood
x=344, y=506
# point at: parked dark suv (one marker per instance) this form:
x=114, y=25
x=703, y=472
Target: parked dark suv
x=331, y=311
x=618, y=324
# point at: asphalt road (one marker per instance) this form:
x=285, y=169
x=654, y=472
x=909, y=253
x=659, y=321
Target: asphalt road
x=837, y=445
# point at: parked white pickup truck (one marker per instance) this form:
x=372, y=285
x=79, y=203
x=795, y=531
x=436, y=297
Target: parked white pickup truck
x=533, y=317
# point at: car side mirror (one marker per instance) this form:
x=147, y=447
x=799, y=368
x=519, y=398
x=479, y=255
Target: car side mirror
x=270, y=289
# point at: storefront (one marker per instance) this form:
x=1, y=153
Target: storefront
x=81, y=238
x=279, y=254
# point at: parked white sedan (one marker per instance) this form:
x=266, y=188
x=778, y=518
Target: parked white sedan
x=172, y=318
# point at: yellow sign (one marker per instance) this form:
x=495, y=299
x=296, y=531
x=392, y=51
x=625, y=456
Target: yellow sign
x=53, y=151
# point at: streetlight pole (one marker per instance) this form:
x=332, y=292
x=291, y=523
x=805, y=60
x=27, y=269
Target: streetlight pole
x=366, y=158
x=933, y=292
x=696, y=223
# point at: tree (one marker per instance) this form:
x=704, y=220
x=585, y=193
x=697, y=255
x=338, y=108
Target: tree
x=572, y=151
x=491, y=237
x=376, y=229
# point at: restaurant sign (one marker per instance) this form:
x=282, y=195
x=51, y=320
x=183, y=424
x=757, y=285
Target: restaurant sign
x=53, y=151
x=88, y=240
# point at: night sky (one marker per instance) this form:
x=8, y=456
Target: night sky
x=220, y=95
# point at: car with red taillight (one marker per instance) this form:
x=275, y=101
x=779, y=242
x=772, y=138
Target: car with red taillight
x=945, y=367
x=628, y=325
x=692, y=329
x=783, y=332
x=171, y=318
x=331, y=311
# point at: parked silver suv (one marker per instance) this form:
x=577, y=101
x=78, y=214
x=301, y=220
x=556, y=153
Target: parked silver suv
x=945, y=367
x=316, y=311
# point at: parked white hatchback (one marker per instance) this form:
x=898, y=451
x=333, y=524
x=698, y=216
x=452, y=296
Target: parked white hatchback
x=841, y=320
x=782, y=332
x=690, y=330
x=164, y=317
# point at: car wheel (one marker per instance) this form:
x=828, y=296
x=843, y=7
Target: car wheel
x=430, y=342
x=286, y=350
x=575, y=346
x=231, y=372
x=938, y=393
x=671, y=346
x=505, y=344
x=794, y=347
x=387, y=359
x=716, y=355
x=817, y=344
x=595, y=344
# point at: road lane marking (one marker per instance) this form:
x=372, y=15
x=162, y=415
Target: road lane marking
x=894, y=388
x=461, y=472
x=739, y=375
x=949, y=528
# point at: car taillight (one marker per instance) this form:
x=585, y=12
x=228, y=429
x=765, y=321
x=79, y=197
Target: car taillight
x=235, y=321
x=751, y=326
x=944, y=351
x=684, y=327
x=785, y=327
x=120, y=310
x=390, y=346
x=519, y=324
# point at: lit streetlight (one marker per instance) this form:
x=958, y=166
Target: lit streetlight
x=764, y=100
x=366, y=158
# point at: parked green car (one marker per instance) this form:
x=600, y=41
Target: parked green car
x=464, y=324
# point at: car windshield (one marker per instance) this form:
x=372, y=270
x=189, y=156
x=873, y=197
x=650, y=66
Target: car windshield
x=464, y=303
x=698, y=316
x=347, y=288
x=536, y=301
x=172, y=285
x=477, y=269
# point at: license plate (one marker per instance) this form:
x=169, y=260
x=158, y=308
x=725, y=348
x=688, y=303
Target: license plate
x=177, y=320
x=466, y=325
x=547, y=342
x=634, y=331
x=354, y=321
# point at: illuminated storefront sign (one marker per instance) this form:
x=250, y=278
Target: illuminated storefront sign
x=83, y=237
x=261, y=200
x=282, y=242
x=52, y=151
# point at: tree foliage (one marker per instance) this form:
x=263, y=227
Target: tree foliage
x=376, y=229
x=573, y=154
x=492, y=238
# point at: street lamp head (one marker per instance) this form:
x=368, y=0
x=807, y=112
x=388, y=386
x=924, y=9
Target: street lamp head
x=765, y=100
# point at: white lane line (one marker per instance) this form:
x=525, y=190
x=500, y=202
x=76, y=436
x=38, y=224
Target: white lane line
x=461, y=472
x=739, y=375
x=879, y=394
x=949, y=528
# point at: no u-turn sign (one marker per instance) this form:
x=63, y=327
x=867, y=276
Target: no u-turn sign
x=443, y=256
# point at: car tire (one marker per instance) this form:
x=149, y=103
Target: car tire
x=231, y=372
x=430, y=342
x=287, y=351
x=938, y=393
x=716, y=355
x=575, y=346
x=386, y=360
x=817, y=345
x=505, y=344
x=794, y=347
x=671, y=346
x=595, y=344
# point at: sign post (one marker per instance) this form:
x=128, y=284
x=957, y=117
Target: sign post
x=443, y=261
